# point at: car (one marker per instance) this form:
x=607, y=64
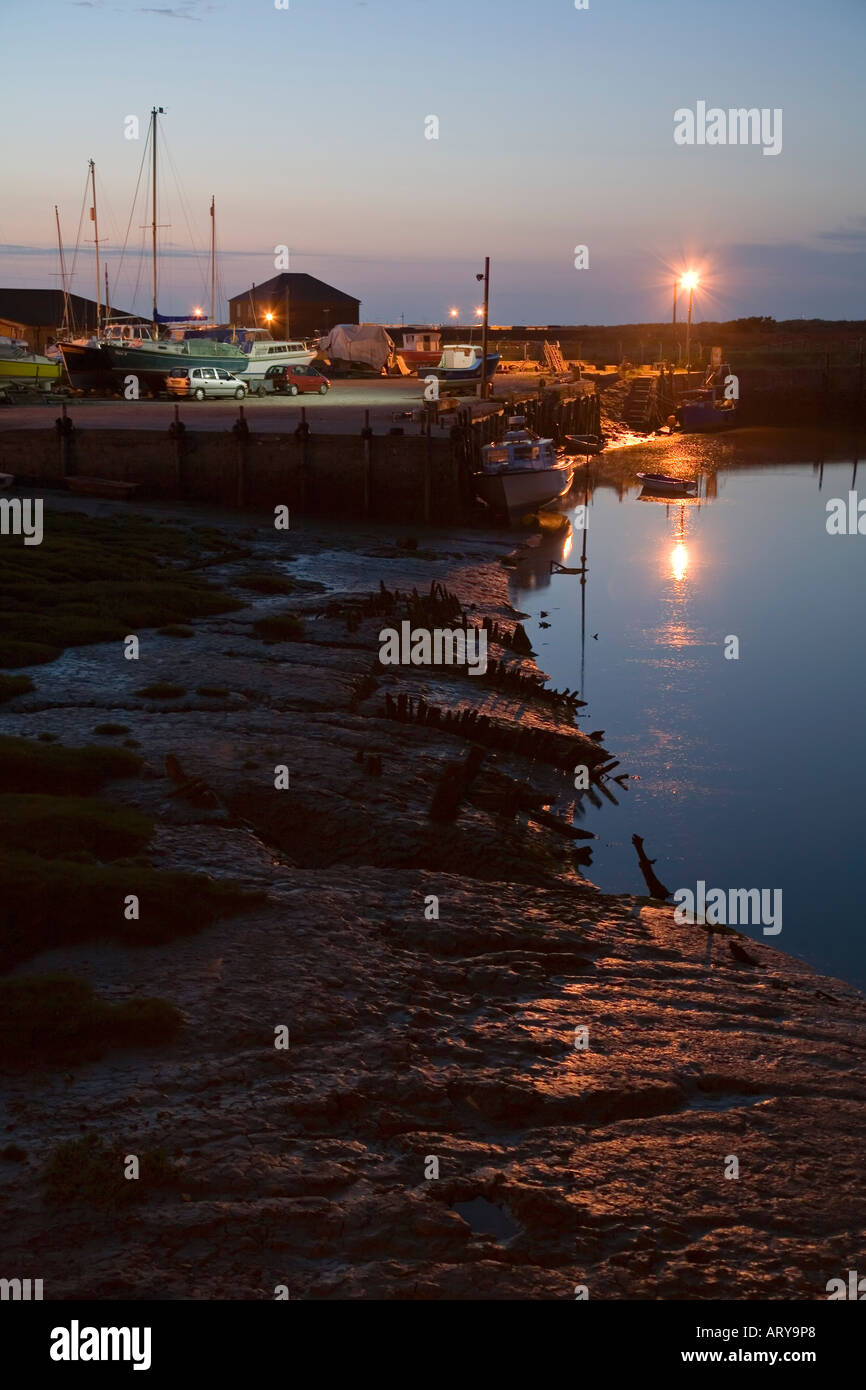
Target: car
x=200, y=382
x=292, y=378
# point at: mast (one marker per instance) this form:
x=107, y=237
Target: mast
x=212, y=260
x=95, y=222
x=106, y=294
x=66, y=306
x=154, y=112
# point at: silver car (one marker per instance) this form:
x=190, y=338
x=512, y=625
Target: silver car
x=201, y=382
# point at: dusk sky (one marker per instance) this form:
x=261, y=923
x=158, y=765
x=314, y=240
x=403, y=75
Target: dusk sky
x=555, y=129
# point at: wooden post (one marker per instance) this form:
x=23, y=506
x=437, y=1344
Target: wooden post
x=367, y=444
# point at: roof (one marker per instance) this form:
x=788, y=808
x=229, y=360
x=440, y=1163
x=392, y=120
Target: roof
x=44, y=308
x=306, y=287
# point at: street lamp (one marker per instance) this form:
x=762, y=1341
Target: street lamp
x=689, y=282
x=484, y=317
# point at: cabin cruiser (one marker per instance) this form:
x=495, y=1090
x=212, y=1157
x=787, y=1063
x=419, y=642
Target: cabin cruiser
x=263, y=352
x=522, y=471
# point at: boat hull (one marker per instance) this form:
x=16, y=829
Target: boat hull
x=153, y=362
x=23, y=372
x=462, y=373
x=667, y=487
x=86, y=366
x=518, y=490
x=701, y=419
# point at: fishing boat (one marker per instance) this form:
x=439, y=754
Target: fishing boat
x=666, y=484
x=461, y=362
x=21, y=367
x=522, y=472
x=708, y=409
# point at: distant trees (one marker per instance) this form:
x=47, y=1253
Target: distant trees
x=758, y=323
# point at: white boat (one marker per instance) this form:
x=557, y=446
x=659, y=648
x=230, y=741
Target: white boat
x=523, y=471
x=667, y=484
x=263, y=352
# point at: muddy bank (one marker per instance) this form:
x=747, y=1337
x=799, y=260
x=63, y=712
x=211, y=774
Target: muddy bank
x=432, y=1130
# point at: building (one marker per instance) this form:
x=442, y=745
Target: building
x=293, y=305
x=37, y=316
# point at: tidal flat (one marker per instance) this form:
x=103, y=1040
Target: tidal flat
x=493, y=1081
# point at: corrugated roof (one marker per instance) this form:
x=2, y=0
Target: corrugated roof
x=306, y=287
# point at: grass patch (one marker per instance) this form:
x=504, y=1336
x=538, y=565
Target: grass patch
x=54, y=902
x=10, y=686
x=100, y=578
x=28, y=766
x=51, y=825
x=90, y=1172
x=262, y=582
x=279, y=627
x=160, y=690
x=214, y=692
x=57, y=1017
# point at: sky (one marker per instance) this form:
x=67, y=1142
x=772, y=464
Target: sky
x=308, y=124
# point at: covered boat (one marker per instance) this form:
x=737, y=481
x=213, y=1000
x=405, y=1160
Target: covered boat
x=353, y=345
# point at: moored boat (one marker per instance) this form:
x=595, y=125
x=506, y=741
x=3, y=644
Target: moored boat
x=708, y=408
x=667, y=484
x=522, y=472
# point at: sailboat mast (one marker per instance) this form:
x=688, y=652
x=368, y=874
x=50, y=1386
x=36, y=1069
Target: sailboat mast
x=66, y=315
x=212, y=259
x=106, y=294
x=153, y=114
x=95, y=222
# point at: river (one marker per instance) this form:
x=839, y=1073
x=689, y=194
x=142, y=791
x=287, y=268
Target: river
x=745, y=771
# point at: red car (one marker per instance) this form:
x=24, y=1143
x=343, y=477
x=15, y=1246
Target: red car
x=289, y=380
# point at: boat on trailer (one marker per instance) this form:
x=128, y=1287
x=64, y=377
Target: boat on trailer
x=523, y=471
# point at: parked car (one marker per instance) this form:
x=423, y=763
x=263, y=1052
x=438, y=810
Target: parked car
x=199, y=382
x=290, y=379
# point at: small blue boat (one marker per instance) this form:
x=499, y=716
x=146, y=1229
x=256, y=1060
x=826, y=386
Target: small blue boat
x=461, y=362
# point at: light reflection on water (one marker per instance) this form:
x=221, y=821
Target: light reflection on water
x=751, y=771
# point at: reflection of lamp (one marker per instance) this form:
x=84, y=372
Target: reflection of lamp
x=679, y=554
x=679, y=562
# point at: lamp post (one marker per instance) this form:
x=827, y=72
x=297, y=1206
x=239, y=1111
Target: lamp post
x=486, y=278
x=689, y=282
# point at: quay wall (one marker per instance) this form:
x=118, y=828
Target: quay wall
x=413, y=478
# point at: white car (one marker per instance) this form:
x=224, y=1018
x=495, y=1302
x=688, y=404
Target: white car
x=200, y=382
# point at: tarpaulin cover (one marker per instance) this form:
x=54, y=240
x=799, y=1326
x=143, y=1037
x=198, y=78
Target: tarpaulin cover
x=358, y=342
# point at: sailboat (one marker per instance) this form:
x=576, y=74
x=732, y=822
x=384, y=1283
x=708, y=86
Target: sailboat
x=142, y=350
x=85, y=362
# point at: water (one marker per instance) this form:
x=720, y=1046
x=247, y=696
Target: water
x=752, y=771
